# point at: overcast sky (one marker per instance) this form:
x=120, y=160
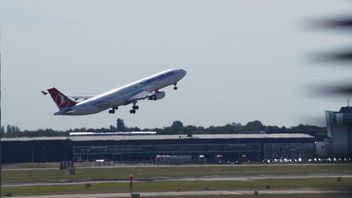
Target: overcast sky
x=245, y=60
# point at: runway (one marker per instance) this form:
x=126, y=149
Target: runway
x=199, y=193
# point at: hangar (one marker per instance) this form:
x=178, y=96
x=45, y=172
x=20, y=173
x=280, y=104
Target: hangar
x=145, y=148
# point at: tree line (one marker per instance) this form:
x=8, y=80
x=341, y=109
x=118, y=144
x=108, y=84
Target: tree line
x=177, y=127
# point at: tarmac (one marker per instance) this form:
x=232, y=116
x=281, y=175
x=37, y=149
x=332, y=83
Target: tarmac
x=199, y=193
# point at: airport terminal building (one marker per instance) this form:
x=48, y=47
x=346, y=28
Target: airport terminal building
x=339, y=131
x=152, y=148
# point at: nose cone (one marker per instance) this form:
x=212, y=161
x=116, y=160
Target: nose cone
x=182, y=72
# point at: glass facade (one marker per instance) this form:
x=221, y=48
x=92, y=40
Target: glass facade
x=288, y=150
x=226, y=150
x=114, y=152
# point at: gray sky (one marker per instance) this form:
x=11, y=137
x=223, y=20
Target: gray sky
x=245, y=59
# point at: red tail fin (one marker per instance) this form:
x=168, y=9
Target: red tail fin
x=60, y=99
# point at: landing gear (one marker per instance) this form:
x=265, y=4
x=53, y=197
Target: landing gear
x=112, y=111
x=175, y=86
x=134, y=108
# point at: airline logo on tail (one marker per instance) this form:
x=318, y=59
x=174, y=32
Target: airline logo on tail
x=60, y=99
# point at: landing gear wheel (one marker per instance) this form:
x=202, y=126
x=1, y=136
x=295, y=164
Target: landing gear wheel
x=175, y=86
x=136, y=107
x=132, y=111
x=111, y=111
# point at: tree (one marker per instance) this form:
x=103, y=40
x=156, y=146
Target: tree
x=254, y=126
x=12, y=129
x=120, y=125
x=177, y=125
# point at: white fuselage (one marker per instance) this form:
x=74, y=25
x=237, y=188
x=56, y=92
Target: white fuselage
x=121, y=96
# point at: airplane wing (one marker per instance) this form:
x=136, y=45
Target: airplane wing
x=141, y=96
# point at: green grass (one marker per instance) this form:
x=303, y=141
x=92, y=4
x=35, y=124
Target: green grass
x=311, y=183
x=83, y=174
x=31, y=165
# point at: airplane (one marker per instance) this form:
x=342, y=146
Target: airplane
x=146, y=88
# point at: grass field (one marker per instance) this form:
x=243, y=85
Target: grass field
x=84, y=174
x=16, y=176
x=31, y=165
x=274, y=184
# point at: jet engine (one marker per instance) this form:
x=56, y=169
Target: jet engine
x=157, y=96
